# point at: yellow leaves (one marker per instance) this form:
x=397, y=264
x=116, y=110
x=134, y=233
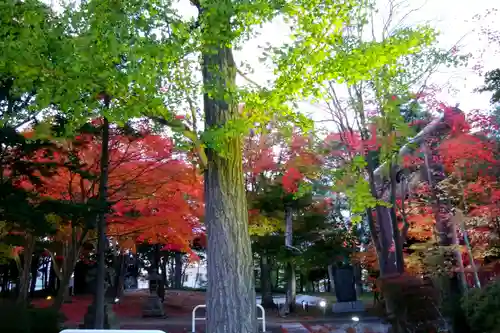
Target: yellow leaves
x=261, y=225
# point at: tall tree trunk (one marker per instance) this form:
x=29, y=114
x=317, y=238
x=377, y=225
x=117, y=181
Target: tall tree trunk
x=52, y=283
x=197, y=277
x=64, y=272
x=291, y=286
x=301, y=282
x=25, y=268
x=331, y=279
x=276, y=277
x=380, y=229
x=445, y=229
x=45, y=273
x=120, y=275
x=178, y=270
x=34, y=273
x=63, y=291
x=164, y=269
x=396, y=234
x=231, y=302
x=265, y=283
x=171, y=272
x=358, y=279
x=99, y=300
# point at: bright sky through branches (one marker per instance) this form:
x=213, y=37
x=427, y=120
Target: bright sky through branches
x=454, y=19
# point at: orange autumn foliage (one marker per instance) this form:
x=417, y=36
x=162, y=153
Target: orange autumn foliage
x=155, y=194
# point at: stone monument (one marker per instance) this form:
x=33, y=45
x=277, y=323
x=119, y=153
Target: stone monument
x=153, y=306
x=110, y=320
x=345, y=291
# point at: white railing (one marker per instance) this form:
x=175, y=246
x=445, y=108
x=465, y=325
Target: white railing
x=194, y=318
x=112, y=331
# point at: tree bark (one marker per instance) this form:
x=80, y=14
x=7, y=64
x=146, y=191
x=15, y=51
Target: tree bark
x=275, y=275
x=291, y=287
x=178, y=270
x=25, y=268
x=445, y=229
x=53, y=279
x=265, y=283
x=331, y=279
x=120, y=275
x=35, y=263
x=63, y=291
x=230, y=295
x=358, y=279
x=102, y=239
x=396, y=234
x=164, y=271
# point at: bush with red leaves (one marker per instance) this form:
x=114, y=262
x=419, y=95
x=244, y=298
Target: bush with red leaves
x=413, y=302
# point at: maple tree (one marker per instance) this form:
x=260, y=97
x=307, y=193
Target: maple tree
x=25, y=216
x=152, y=194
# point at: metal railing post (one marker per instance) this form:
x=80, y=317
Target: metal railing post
x=194, y=318
x=263, y=317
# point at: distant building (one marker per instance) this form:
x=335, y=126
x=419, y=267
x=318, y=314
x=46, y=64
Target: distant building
x=195, y=275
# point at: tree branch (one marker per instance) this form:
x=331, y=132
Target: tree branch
x=188, y=133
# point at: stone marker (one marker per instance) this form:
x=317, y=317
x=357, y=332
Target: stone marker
x=345, y=291
x=153, y=307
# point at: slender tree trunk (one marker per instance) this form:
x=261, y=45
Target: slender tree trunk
x=52, y=284
x=380, y=229
x=230, y=295
x=197, y=277
x=45, y=273
x=265, y=282
x=63, y=291
x=64, y=272
x=396, y=235
x=301, y=283
x=178, y=270
x=35, y=263
x=446, y=231
x=331, y=279
x=99, y=300
x=25, y=268
x=358, y=279
x=291, y=286
x=276, y=277
x=164, y=269
x=120, y=275
x=171, y=272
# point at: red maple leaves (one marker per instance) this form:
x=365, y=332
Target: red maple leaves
x=155, y=194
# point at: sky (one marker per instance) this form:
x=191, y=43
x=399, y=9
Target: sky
x=454, y=19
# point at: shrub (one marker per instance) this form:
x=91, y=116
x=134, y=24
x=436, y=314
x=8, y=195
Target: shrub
x=19, y=318
x=45, y=320
x=482, y=308
x=14, y=318
x=413, y=302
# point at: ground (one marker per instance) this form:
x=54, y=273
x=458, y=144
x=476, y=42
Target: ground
x=178, y=308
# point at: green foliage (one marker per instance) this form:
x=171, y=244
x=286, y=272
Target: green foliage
x=481, y=307
x=492, y=84
x=30, y=43
x=120, y=50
